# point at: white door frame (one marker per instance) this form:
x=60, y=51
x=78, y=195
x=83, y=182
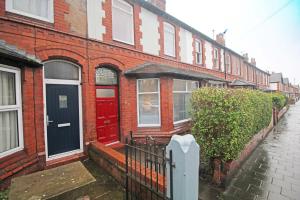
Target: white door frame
x=63, y=82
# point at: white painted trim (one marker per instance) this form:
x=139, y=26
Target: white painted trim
x=61, y=155
x=110, y=144
x=182, y=121
x=137, y=103
x=63, y=82
x=9, y=8
x=17, y=107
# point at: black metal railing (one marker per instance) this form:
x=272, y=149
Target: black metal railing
x=146, y=170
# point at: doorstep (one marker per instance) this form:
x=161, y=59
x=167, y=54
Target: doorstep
x=50, y=183
x=65, y=160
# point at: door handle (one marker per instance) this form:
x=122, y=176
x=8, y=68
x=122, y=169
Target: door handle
x=48, y=121
x=106, y=121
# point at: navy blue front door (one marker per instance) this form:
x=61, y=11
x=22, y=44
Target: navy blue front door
x=62, y=118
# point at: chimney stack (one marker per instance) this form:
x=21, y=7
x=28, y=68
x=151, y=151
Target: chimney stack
x=220, y=39
x=161, y=4
x=246, y=58
x=253, y=62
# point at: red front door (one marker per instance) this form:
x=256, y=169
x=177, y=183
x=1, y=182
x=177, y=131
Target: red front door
x=107, y=114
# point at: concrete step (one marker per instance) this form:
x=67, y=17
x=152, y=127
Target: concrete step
x=51, y=183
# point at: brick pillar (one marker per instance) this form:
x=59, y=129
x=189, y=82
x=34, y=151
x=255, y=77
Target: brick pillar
x=166, y=104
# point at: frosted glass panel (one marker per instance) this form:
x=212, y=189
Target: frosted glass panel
x=105, y=93
x=61, y=70
x=106, y=76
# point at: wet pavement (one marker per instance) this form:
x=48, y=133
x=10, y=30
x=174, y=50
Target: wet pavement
x=272, y=172
x=104, y=188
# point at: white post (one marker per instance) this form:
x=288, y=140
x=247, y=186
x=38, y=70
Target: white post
x=185, y=156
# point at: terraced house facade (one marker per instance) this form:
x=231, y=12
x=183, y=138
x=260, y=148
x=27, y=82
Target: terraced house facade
x=72, y=72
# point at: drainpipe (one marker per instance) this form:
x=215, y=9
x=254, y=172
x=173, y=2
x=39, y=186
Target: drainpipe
x=225, y=68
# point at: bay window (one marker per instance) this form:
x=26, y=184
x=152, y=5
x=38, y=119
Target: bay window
x=122, y=22
x=38, y=9
x=169, y=39
x=148, y=102
x=182, y=90
x=11, y=136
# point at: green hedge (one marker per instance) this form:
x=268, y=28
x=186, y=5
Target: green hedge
x=279, y=100
x=224, y=120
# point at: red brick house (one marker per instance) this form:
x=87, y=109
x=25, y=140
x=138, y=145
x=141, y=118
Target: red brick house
x=79, y=71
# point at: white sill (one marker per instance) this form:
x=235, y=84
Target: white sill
x=125, y=42
x=64, y=154
x=11, y=151
x=149, y=126
x=182, y=121
x=173, y=56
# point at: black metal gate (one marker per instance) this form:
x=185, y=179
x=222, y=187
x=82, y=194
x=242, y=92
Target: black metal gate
x=146, y=164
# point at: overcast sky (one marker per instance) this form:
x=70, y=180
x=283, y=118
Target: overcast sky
x=268, y=30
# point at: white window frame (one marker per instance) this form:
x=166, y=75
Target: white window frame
x=182, y=92
x=216, y=58
x=167, y=29
x=138, y=100
x=228, y=64
x=9, y=8
x=17, y=107
x=198, y=44
x=63, y=82
x=132, y=24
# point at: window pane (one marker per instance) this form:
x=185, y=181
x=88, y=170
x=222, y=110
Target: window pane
x=169, y=39
x=198, y=46
x=7, y=88
x=61, y=70
x=63, y=101
x=198, y=52
x=8, y=130
x=149, y=109
x=192, y=85
x=33, y=7
x=181, y=106
x=179, y=85
x=106, y=76
x=105, y=93
x=148, y=85
x=122, y=17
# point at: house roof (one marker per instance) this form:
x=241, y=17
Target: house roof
x=286, y=81
x=276, y=77
x=238, y=82
x=12, y=53
x=157, y=70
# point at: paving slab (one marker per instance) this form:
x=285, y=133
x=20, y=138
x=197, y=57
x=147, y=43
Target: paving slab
x=50, y=183
x=272, y=172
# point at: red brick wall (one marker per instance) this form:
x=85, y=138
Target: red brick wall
x=27, y=160
x=47, y=41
